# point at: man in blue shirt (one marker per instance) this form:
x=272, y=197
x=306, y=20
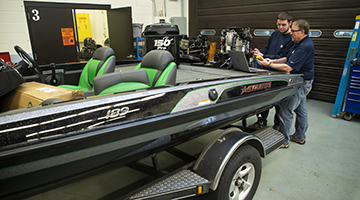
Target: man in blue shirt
x=278, y=46
x=299, y=61
x=280, y=42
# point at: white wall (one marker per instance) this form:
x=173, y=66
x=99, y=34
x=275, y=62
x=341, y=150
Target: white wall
x=14, y=30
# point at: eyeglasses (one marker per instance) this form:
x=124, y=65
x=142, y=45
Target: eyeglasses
x=293, y=31
x=282, y=24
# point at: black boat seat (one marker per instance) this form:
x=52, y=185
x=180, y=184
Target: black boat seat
x=102, y=62
x=158, y=68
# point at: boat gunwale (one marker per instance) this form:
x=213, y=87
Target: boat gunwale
x=7, y=117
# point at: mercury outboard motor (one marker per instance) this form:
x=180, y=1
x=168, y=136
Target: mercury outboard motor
x=236, y=39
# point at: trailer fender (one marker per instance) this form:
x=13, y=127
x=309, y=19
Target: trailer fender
x=212, y=161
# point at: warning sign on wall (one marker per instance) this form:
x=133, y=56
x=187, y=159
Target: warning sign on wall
x=83, y=26
x=68, y=36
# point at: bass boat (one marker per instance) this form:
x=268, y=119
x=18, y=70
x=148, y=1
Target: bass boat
x=44, y=144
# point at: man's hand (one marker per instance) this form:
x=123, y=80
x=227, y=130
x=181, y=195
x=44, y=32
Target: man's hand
x=257, y=52
x=277, y=64
x=265, y=62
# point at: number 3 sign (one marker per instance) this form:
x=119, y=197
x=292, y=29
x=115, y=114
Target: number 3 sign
x=36, y=16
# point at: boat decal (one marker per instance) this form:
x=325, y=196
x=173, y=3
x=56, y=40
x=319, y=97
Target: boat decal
x=256, y=87
x=32, y=134
x=116, y=118
x=51, y=130
x=59, y=128
x=94, y=110
x=140, y=100
x=19, y=128
x=82, y=105
x=58, y=119
x=118, y=112
x=82, y=113
x=79, y=123
x=203, y=93
x=112, y=115
x=97, y=124
x=204, y=102
x=50, y=136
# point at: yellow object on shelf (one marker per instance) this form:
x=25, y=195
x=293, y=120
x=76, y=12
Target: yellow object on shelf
x=211, y=52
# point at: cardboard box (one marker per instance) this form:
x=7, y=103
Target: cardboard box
x=31, y=94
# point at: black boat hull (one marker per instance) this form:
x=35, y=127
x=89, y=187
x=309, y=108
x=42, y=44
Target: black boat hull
x=119, y=128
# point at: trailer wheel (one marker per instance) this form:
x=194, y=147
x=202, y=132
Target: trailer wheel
x=241, y=176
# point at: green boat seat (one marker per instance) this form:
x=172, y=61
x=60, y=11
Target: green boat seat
x=102, y=62
x=158, y=68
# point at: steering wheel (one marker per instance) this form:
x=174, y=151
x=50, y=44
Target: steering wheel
x=27, y=59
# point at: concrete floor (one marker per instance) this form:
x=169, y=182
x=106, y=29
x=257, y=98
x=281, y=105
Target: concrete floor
x=326, y=167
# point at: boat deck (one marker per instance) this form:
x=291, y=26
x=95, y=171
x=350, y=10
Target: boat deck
x=188, y=73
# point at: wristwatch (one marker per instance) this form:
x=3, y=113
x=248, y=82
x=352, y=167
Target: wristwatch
x=269, y=65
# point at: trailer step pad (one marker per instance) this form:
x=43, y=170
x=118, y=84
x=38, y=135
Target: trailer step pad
x=271, y=138
x=182, y=184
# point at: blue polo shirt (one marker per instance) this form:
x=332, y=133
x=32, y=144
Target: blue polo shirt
x=278, y=46
x=301, y=58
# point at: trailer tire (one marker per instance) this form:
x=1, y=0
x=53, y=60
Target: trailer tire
x=241, y=176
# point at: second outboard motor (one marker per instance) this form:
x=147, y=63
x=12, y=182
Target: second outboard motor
x=163, y=36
